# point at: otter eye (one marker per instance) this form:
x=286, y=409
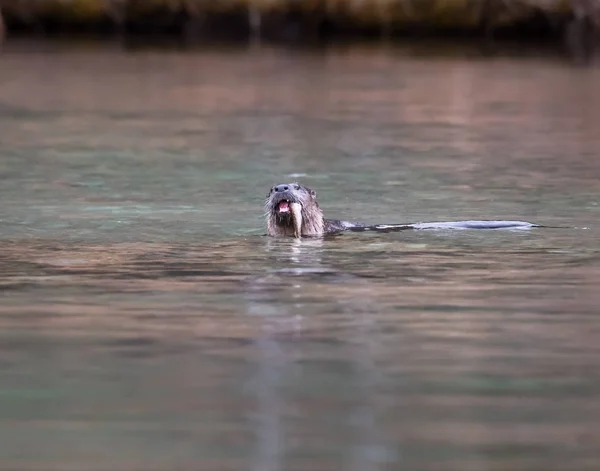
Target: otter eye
x=297, y=187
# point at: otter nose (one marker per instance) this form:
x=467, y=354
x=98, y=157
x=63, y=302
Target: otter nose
x=281, y=188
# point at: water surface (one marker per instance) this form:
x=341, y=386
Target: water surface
x=147, y=323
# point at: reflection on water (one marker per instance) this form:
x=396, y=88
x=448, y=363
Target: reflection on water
x=147, y=323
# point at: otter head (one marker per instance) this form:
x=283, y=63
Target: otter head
x=292, y=210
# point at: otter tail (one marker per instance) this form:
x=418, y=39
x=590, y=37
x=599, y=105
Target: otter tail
x=454, y=225
x=475, y=225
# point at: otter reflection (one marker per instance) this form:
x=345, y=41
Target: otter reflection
x=292, y=210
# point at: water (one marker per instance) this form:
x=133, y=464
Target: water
x=147, y=323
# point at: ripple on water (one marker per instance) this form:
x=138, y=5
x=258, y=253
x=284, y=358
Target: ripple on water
x=145, y=323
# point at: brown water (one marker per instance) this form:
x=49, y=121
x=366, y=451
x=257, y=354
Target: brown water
x=146, y=323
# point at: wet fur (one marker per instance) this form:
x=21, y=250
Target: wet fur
x=315, y=225
x=279, y=225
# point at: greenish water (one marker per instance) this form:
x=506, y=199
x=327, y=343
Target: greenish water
x=147, y=323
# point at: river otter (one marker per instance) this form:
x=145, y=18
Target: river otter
x=292, y=210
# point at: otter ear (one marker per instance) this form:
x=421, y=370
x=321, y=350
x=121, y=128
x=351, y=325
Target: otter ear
x=313, y=193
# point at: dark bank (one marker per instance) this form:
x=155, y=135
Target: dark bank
x=572, y=24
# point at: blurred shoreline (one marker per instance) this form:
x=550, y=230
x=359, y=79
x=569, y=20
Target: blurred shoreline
x=572, y=25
